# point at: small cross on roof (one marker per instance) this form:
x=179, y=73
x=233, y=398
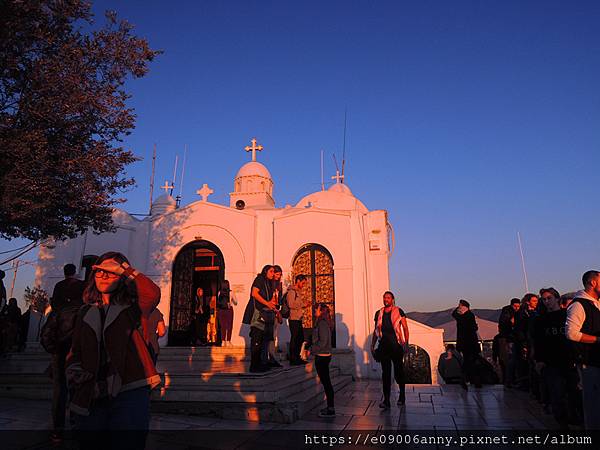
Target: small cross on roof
x=339, y=178
x=167, y=187
x=205, y=192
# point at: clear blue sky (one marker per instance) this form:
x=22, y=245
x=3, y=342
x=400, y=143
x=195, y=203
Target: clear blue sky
x=467, y=121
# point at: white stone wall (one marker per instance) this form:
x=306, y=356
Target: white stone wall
x=356, y=238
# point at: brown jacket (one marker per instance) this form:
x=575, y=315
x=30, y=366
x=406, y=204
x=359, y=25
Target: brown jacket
x=129, y=361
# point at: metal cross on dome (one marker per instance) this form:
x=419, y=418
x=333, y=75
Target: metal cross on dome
x=204, y=192
x=339, y=178
x=253, y=148
x=167, y=187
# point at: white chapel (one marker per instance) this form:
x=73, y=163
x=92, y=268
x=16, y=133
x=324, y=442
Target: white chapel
x=329, y=235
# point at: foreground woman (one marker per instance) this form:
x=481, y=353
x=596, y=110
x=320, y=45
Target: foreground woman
x=109, y=369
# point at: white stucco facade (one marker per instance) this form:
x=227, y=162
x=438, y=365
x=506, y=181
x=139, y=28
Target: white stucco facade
x=357, y=239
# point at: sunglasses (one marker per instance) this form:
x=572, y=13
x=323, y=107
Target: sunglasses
x=104, y=274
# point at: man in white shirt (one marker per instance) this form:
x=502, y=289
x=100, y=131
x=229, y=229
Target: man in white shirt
x=583, y=327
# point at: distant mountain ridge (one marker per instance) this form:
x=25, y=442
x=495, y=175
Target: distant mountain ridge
x=437, y=318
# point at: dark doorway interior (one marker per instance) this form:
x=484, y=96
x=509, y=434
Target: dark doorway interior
x=198, y=264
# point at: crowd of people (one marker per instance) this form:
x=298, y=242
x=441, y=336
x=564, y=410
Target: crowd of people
x=547, y=344
x=103, y=337
x=212, y=316
x=267, y=308
x=13, y=324
x=536, y=354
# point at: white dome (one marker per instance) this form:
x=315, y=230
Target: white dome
x=164, y=199
x=163, y=204
x=253, y=168
x=341, y=188
x=337, y=197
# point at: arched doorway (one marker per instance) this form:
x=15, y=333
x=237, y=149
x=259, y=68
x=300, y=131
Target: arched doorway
x=417, y=366
x=198, y=264
x=315, y=261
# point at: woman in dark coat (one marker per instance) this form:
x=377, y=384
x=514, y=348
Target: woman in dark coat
x=467, y=341
x=264, y=305
x=110, y=371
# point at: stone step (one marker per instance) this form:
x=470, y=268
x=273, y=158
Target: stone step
x=285, y=410
x=25, y=356
x=28, y=386
x=281, y=395
x=278, y=388
x=297, y=406
x=166, y=354
x=241, y=378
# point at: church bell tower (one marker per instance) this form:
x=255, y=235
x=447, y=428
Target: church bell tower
x=253, y=184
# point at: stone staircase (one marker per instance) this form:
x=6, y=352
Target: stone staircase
x=208, y=381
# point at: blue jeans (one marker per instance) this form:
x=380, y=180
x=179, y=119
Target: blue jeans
x=562, y=386
x=126, y=417
x=590, y=379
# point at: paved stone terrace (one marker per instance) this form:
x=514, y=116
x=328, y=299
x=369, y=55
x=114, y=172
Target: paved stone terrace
x=427, y=408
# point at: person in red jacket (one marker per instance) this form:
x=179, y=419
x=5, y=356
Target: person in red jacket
x=109, y=368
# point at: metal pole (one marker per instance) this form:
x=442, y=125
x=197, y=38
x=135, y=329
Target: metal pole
x=152, y=177
x=523, y=262
x=175, y=174
x=15, y=264
x=85, y=235
x=344, y=148
x=182, y=172
x=322, y=175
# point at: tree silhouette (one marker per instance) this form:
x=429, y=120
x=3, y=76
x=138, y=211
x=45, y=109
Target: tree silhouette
x=63, y=115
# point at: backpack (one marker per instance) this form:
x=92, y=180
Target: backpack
x=484, y=372
x=285, y=307
x=49, y=333
x=57, y=332
x=223, y=300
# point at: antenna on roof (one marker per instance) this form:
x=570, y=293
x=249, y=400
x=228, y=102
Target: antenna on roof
x=180, y=195
x=152, y=175
x=174, y=175
x=322, y=175
x=344, y=147
x=336, y=164
x=523, y=262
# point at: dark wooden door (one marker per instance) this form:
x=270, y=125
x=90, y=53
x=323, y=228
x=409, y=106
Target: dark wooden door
x=182, y=298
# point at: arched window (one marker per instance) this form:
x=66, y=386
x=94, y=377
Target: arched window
x=315, y=261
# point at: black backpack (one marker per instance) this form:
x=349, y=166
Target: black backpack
x=285, y=308
x=223, y=300
x=57, y=332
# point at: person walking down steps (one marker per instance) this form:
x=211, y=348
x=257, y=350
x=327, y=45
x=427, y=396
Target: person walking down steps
x=321, y=348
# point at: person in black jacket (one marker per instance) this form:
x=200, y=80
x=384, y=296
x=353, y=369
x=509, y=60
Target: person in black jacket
x=506, y=324
x=264, y=307
x=467, y=341
x=556, y=361
x=523, y=350
x=67, y=299
x=2, y=291
x=68, y=291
